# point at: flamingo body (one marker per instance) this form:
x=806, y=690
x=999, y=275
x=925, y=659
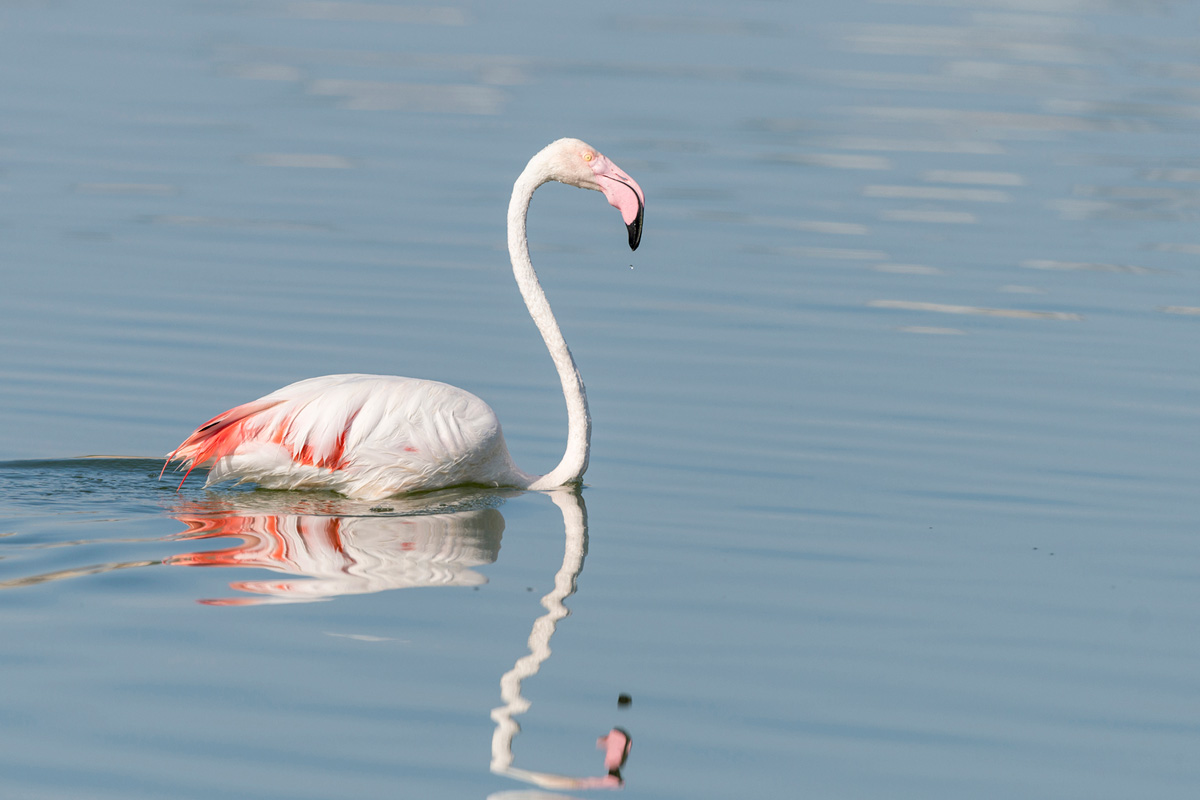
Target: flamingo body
x=373, y=436
x=360, y=435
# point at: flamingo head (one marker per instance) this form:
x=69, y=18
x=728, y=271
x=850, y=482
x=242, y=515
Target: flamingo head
x=579, y=164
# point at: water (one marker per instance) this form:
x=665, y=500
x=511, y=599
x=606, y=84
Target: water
x=893, y=476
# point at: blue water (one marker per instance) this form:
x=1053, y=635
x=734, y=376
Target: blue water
x=892, y=489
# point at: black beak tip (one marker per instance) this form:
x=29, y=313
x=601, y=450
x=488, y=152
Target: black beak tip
x=635, y=228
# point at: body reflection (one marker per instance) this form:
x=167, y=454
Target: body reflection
x=337, y=555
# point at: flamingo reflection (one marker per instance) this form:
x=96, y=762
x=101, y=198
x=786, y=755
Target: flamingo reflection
x=339, y=549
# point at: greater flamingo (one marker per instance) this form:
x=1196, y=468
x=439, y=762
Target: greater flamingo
x=374, y=436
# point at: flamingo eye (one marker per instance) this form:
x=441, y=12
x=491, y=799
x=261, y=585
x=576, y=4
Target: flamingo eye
x=587, y=156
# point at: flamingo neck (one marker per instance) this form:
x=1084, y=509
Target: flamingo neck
x=579, y=421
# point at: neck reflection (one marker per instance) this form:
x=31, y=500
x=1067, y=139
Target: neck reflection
x=616, y=744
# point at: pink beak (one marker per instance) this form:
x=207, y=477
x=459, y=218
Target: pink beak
x=623, y=194
x=616, y=749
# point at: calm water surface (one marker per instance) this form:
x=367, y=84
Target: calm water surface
x=893, y=484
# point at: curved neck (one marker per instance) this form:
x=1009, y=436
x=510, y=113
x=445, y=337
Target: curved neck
x=579, y=421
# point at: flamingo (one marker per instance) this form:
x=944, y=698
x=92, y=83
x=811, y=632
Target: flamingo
x=375, y=436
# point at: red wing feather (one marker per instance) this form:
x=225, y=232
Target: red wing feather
x=218, y=437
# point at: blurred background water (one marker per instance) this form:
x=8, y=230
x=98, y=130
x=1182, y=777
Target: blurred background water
x=893, y=484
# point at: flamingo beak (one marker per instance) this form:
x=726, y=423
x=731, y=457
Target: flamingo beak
x=623, y=194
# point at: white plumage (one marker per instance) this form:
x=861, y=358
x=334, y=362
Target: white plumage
x=368, y=436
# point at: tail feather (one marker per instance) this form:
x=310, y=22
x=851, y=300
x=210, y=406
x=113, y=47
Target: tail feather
x=218, y=437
